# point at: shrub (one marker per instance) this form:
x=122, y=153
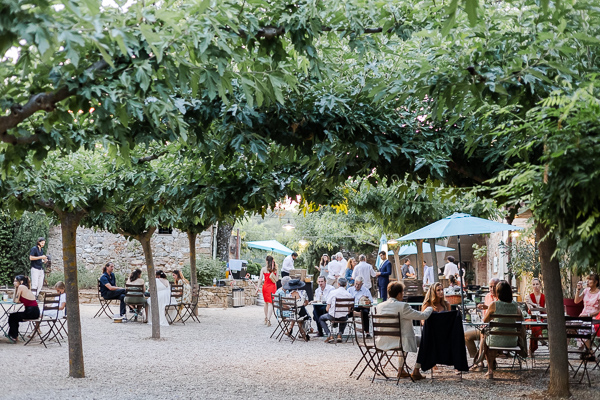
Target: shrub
x=207, y=269
x=254, y=268
x=86, y=279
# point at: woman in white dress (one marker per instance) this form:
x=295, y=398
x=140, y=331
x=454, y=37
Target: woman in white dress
x=163, y=291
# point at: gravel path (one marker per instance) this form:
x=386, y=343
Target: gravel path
x=230, y=356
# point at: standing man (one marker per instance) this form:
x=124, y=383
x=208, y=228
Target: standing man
x=37, y=258
x=335, y=270
x=321, y=296
x=365, y=270
x=383, y=276
x=343, y=262
x=359, y=292
x=288, y=264
x=450, y=269
x=108, y=288
x=408, y=272
x=428, y=278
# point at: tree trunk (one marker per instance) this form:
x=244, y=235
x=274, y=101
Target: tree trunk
x=557, y=335
x=69, y=223
x=223, y=239
x=419, y=266
x=144, y=240
x=434, y=260
x=193, y=274
x=397, y=263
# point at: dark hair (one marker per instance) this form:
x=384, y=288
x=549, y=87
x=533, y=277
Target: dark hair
x=135, y=274
x=23, y=280
x=504, y=292
x=270, y=264
x=451, y=259
x=294, y=254
x=595, y=277
x=395, y=288
x=161, y=274
x=453, y=279
x=108, y=264
x=180, y=277
x=382, y=253
x=406, y=259
x=324, y=261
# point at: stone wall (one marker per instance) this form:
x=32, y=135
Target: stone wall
x=96, y=248
x=220, y=296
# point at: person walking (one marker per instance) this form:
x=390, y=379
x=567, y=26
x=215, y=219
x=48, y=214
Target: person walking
x=268, y=275
x=37, y=258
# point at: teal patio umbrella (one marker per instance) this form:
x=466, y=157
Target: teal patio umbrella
x=270, y=245
x=409, y=249
x=455, y=225
x=383, y=246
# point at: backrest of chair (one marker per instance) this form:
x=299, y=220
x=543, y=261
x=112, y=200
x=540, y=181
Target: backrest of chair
x=579, y=328
x=99, y=291
x=277, y=308
x=177, y=291
x=387, y=325
x=343, y=306
x=506, y=328
x=359, y=331
x=134, y=290
x=51, y=302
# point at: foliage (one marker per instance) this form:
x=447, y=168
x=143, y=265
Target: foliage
x=207, y=269
x=479, y=252
x=6, y=238
x=523, y=255
x=253, y=268
x=86, y=278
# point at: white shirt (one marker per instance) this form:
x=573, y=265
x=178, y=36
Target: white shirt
x=323, y=293
x=357, y=294
x=428, y=277
x=366, y=271
x=335, y=268
x=339, y=293
x=450, y=269
x=344, y=264
x=288, y=264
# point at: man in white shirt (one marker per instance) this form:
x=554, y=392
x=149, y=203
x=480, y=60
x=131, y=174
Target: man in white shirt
x=343, y=262
x=358, y=291
x=428, y=278
x=335, y=270
x=365, y=271
x=321, y=296
x=288, y=264
x=339, y=293
x=450, y=269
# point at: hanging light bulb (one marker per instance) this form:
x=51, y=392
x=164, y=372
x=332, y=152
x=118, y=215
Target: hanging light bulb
x=392, y=241
x=288, y=226
x=303, y=242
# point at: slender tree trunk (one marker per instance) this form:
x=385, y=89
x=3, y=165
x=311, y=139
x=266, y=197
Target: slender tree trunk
x=69, y=222
x=144, y=240
x=419, y=267
x=557, y=335
x=397, y=263
x=223, y=239
x=193, y=274
x=434, y=260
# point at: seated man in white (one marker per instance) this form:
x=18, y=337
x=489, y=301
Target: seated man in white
x=332, y=312
x=394, y=306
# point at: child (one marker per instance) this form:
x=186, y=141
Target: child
x=62, y=301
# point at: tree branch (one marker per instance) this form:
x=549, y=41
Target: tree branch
x=464, y=172
x=151, y=157
x=269, y=32
x=38, y=102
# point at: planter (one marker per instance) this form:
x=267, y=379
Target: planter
x=571, y=308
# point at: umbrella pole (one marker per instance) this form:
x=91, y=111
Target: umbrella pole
x=460, y=272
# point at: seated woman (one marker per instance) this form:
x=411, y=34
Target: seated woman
x=179, y=279
x=535, y=301
x=24, y=296
x=435, y=299
x=62, y=302
x=504, y=306
x=293, y=287
x=395, y=305
x=136, y=279
x=591, y=302
x=163, y=292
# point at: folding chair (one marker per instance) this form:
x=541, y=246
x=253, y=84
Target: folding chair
x=388, y=326
x=282, y=324
x=190, y=309
x=51, y=306
x=343, y=307
x=515, y=328
x=177, y=294
x=134, y=298
x=104, y=304
x=582, y=328
x=291, y=315
x=365, y=345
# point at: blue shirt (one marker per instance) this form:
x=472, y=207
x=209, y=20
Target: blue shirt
x=357, y=294
x=104, y=279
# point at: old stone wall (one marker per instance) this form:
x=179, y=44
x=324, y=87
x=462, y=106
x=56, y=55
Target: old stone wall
x=96, y=248
x=220, y=296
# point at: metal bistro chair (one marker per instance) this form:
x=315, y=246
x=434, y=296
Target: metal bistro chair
x=51, y=306
x=134, y=297
x=365, y=345
x=514, y=328
x=290, y=307
x=177, y=294
x=282, y=323
x=190, y=309
x=344, y=307
x=388, y=325
x=104, y=304
x=582, y=328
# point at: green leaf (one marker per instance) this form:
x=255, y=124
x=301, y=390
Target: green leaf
x=105, y=55
x=471, y=8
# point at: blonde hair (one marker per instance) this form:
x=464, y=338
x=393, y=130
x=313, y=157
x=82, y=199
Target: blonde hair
x=60, y=285
x=349, y=264
x=431, y=299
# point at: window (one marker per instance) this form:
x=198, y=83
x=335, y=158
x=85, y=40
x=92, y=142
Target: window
x=164, y=230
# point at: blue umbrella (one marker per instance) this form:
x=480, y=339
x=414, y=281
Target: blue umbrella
x=408, y=249
x=455, y=225
x=382, y=247
x=272, y=245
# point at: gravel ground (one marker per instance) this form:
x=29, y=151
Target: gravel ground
x=230, y=356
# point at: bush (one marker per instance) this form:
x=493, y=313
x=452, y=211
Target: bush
x=86, y=279
x=27, y=230
x=207, y=269
x=254, y=268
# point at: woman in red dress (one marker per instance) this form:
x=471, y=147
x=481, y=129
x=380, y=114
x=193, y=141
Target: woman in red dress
x=535, y=301
x=268, y=275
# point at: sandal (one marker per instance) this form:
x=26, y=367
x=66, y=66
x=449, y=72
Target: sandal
x=489, y=375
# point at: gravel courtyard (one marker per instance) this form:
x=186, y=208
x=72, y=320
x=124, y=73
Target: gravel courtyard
x=230, y=356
